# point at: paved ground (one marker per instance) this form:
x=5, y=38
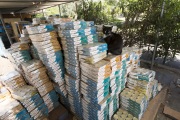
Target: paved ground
x=169, y=62
x=173, y=96
x=168, y=78
x=60, y=113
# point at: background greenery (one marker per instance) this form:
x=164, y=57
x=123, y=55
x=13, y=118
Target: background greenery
x=143, y=24
x=139, y=21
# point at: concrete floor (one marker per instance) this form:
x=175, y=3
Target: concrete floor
x=60, y=113
x=168, y=78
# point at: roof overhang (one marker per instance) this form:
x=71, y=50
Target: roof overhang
x=28, y=6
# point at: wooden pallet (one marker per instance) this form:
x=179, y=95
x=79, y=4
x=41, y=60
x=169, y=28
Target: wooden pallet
x=170, y=112
x=154, y=105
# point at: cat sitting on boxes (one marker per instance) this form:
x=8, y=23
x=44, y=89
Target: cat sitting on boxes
x=113, y=39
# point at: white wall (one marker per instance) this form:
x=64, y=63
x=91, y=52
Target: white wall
x=2, y=48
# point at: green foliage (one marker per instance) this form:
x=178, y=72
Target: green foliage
x=91, y=11
x=99, y=12
x=38, y=15
x=51, y=11
x=68, y=10
x=144, y=24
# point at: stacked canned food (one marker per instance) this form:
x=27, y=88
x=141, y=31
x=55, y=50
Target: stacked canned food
x=134, y=102
x=33, y=105
x=123, y=115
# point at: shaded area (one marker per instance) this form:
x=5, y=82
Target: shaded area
x=167, y=78
x=171, y=63
x=60, y=113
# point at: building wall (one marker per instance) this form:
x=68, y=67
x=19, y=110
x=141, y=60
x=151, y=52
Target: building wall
x=16, y=16
x=9, y=18
x=2, y=48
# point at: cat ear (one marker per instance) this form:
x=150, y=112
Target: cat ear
x=114, y=29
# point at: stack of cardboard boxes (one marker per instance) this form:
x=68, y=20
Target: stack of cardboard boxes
x=11, y=108
x=134, y=102
x=143, y=80
x=34, y=52
x=115, y=62
x=51, y=99
x=123, y=115
x=117, y=79
x=74, y=34
x=95, y=81
x=132, y=55
x=24, y=37
x=44, y=39
x=72, y=87
x=12, y=80
x=35, y=73
x=18, y=53
x=93, y=52
x=113, y=106
x=49, y=51
x=95, y=89
x=4, y=93
x=31, y=100
x=115, y=83
x=141, y=86
x=14, y=110
x=33, y=105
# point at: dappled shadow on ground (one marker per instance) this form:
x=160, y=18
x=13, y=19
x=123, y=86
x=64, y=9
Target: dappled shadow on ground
x=167, y=78
x=169, y=62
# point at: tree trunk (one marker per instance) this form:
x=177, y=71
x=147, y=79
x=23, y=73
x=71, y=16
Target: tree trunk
x=174, y=53
x=83, y=10
x=140, y=46
x=164, y=60
x=148, y=47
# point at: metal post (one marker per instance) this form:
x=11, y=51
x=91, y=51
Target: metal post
x=9, y=38
x=75, y=6
x=157, y=37
x=34, y=14
x=43, y=13
x=59, y=10
x=21, y=16
x=76, y=12
x=83, y=10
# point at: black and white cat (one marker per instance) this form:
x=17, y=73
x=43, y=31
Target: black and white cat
x=113, y=40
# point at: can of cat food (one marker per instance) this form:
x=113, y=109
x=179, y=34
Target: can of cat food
x=115, y=117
